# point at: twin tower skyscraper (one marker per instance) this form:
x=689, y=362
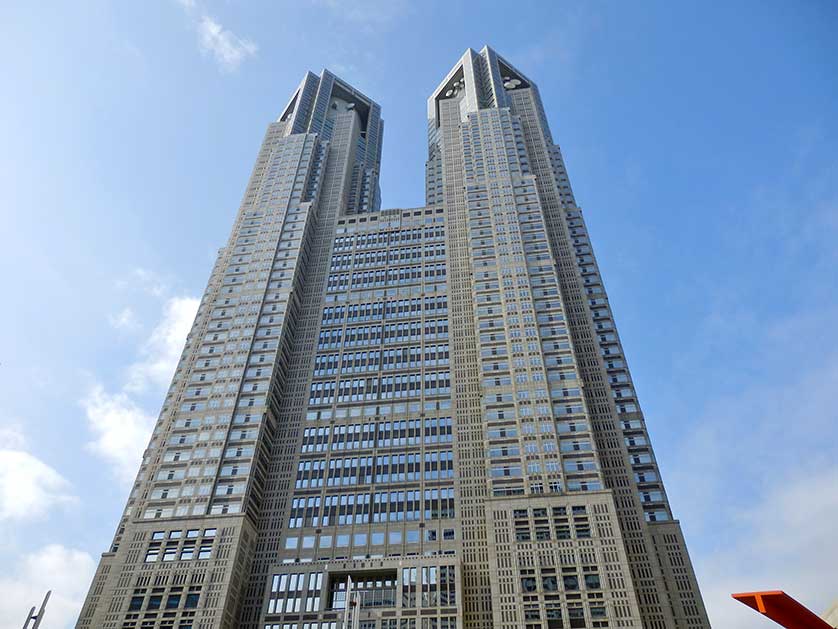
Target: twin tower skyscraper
x=413, y=418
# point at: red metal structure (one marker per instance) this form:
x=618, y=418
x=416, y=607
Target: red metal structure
x=782, y=609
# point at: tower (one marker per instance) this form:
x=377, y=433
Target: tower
x=406, y=418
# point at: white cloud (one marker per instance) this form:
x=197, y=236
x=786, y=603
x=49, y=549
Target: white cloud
x=120, y=429
x=145, y=280
x=29, y=488
x=755, y=483
x=228, y=49
x=161, y=352
x=790, y=545
x=65, y=571
x=125, y=319
x=119, y=425
x=12, y=437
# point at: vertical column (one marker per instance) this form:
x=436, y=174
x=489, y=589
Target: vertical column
x=472, y=487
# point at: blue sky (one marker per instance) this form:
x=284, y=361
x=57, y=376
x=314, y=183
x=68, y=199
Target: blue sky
x=701, y=142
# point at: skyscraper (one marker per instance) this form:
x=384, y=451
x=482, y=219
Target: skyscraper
x=402, y=419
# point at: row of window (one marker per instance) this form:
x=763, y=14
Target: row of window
x=386, y=434
x=373, y=311
x=395, y=468
x=376, y=240
x=384, y=388
x=383, y=257
x=333, y=338
x=386, y=277
x=374, y=360
x=387, y=506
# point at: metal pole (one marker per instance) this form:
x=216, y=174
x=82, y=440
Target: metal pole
x=29, y=617
x=41, y=611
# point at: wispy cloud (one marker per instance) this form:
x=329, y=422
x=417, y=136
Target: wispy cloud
x=227, y=49
x=759, y=464
x=161, y=351
x=125, y=319
x=29, y=488
x=120, y=430
x=790, y=545
x=118, y=423
x=65, y=571
x=146, y=281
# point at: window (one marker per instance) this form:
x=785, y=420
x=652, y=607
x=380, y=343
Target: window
x=136, y=603
x=205, y=551
x=155, y=601
x=170, y=554
x=192, y=600
x=173, y=601
x=592, y=581
x=158, y=535
x=209, y=532
x=192, y=533
x=151, y=555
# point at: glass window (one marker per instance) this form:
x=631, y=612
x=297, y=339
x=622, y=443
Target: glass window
x=173, y=601
x=155, y=601
x=136, y=603
x=192, y=600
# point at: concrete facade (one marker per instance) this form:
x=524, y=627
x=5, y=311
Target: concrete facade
x=402, y=419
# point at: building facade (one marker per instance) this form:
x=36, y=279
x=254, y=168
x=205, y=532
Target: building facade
x=402, y=419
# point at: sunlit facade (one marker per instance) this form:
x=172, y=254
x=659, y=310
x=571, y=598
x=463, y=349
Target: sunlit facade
x=402, y=419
